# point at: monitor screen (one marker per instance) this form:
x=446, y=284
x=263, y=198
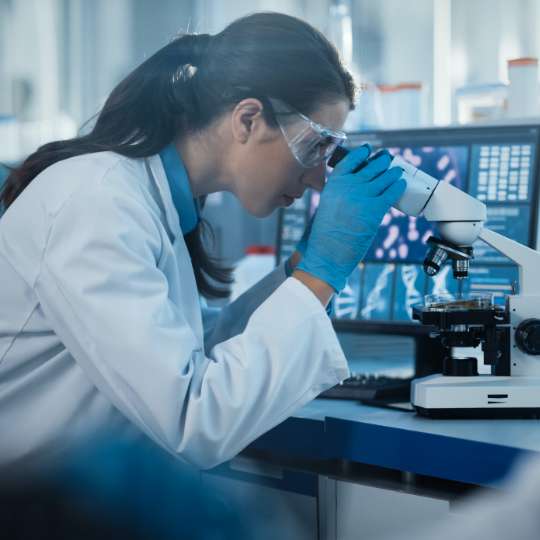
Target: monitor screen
x=498, y=165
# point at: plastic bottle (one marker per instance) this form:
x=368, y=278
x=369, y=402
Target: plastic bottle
x=523, y=89
x=257, y=263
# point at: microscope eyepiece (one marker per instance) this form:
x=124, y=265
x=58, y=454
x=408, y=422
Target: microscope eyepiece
x=339, y=153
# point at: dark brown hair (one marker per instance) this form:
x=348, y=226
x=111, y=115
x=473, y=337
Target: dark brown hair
x=188, y=84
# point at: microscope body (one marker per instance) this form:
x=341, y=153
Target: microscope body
x=509, y=336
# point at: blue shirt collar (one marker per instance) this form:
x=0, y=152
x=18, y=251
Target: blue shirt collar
x=186, y=206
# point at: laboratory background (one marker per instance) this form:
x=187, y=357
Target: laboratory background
x=451, y=87
x=420, y=63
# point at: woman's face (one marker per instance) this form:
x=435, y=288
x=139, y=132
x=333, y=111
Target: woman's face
x=265, y=172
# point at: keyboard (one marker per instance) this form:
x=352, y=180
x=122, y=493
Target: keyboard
x=364, y=387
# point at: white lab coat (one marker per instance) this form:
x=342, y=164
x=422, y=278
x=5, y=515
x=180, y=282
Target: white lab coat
x=101, y=325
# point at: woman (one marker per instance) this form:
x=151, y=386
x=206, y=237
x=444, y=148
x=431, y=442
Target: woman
x=102, y=262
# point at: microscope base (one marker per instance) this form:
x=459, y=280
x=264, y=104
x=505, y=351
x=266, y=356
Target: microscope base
x=482, y=396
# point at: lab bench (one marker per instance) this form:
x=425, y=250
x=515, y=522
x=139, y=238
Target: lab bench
x=343, y=470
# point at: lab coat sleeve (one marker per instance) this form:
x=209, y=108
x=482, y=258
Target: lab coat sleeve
x=221, y=324
x=102, y=288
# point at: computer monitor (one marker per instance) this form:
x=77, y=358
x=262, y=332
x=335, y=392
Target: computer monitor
x=497, y=164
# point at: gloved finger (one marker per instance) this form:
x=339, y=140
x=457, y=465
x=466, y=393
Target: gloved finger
x=374, y=167
x=394, y=192
x=383, y=181
x=352, y=160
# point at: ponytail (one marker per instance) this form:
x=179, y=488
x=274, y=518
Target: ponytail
x=141, y=116
x=189, y=83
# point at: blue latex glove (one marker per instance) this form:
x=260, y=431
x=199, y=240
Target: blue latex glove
x=302, y=245
x=349, y=214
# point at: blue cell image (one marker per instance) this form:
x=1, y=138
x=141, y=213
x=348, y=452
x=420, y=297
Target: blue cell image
x=402, y=238
x=409, y=290
x=377, y=292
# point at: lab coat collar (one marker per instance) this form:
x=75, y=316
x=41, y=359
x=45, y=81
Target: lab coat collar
x=182, y=197
x=155, y=170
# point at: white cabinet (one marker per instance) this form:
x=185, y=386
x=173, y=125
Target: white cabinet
x=353, y=511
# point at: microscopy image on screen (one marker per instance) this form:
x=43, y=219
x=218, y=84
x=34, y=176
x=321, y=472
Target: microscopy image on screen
x=347, y=304
x=409, y=290
x=403, y=238
x=377, y=291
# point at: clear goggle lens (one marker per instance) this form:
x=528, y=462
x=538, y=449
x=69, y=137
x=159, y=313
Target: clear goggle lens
x=312, y=147
x=311, y=144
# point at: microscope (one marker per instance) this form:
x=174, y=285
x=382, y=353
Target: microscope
x=509, y=335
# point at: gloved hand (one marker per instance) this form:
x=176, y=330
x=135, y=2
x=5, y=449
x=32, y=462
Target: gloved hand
x=302, y=244
x=350, y=211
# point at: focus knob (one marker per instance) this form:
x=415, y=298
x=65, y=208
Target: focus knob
x=528, y=336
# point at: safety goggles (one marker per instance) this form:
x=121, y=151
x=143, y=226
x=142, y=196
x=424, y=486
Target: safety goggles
x=310, y=143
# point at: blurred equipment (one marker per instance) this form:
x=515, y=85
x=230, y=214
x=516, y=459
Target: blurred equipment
x=404, y=105
x=481, y=102
x=523, y=90
x=257, y=263
x=340, y=30
x=9, y=135
x=368, y=112
x=492, y=102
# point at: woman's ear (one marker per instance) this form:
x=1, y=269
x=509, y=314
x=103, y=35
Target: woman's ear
x=245, y=118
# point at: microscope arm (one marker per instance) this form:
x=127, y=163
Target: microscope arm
x=459, y=216
x=527, y=259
